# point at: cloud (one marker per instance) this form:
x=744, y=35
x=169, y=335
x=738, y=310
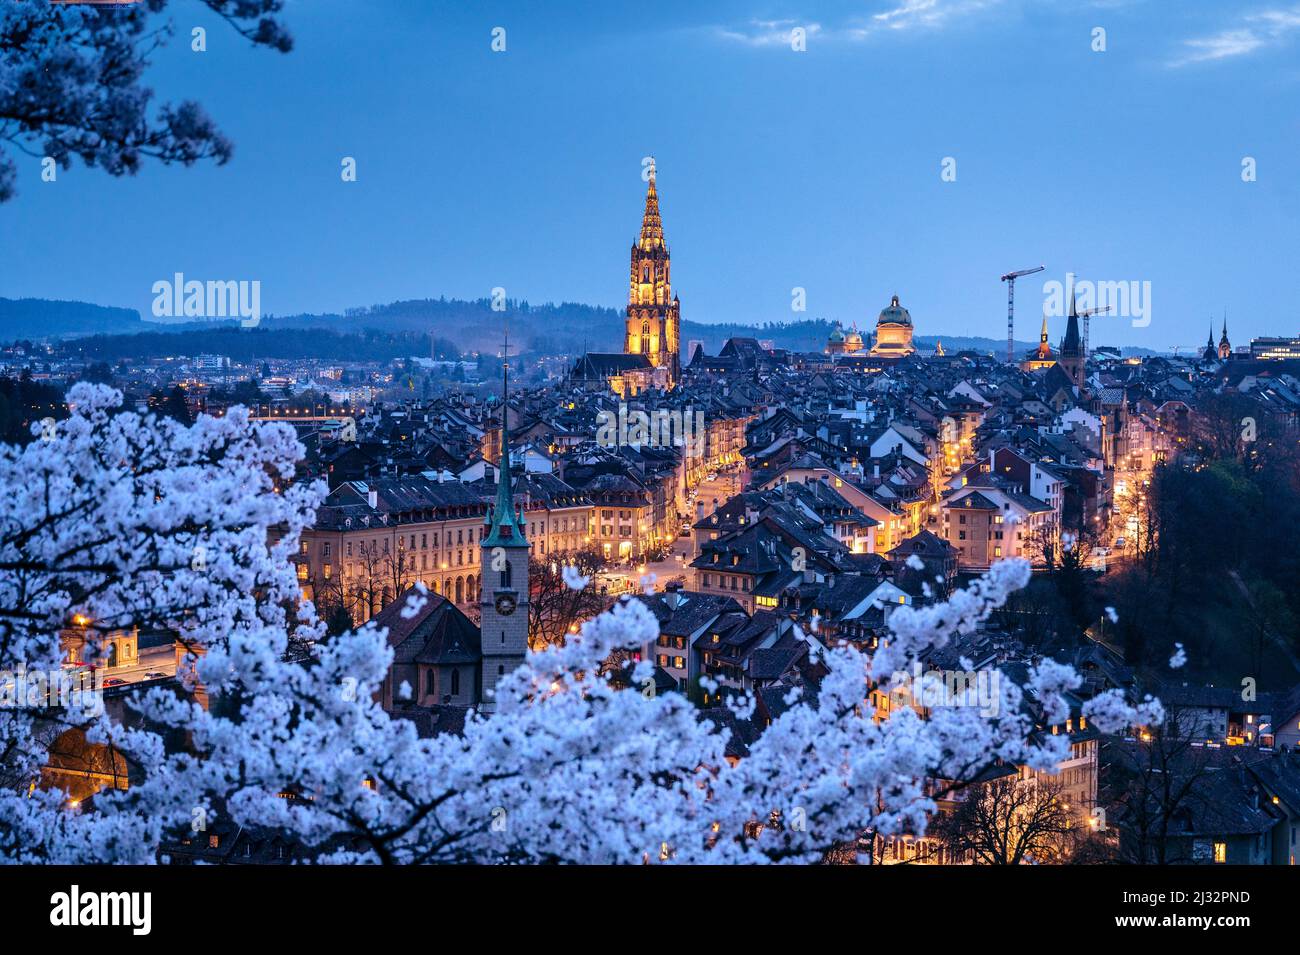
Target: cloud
x=928, y=14
x=1256, y=31
x=902, y=15
x=767, y=32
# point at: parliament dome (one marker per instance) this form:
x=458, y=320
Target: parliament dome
x=894, y=314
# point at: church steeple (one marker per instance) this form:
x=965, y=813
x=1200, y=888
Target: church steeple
x=1044, y=352
x=1225, y=347
x=1071, y=358
x=652, y=226
x=653, y=324
x=504, y=527
x=503, y=572
x=1071, y=344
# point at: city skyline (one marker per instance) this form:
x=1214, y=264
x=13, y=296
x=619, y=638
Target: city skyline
x=470, y=178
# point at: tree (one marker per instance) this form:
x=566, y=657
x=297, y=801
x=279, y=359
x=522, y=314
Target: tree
x=129, y=519
x=554, y=608
x=1009, y=821
x=172, y=404
x=1151, y=786
x=71, y=84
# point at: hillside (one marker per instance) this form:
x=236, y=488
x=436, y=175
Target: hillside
x=50, y=318
x=442, y=326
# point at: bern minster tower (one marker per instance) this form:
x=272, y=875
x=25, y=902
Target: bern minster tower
x=503, y=600
x=653, y=312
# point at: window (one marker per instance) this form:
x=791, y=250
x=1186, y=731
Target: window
x=1220, y=852
x=679, y=662
x=325, y=551
x=455, y=682
x=430, y=683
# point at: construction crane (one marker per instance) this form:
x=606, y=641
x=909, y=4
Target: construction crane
x=1010, y=279
x=1086, y=314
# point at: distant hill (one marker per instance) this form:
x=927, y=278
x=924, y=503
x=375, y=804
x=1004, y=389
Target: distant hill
x=439, y=326
x=49, y=318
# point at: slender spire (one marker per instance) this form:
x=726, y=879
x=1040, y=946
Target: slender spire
x=504, y=527
x=1071, y=346
x=652, y=226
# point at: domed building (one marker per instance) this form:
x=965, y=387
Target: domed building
x=841, y=342
x=893, y=332
x=835, y=342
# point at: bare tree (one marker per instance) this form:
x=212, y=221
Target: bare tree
x=1150, y=786
x=554, y=608
x=1009, y=821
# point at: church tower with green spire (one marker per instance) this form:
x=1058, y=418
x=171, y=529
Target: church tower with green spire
x=503, y=568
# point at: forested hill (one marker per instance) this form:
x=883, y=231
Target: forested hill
x=442, y=327
x=50, y=318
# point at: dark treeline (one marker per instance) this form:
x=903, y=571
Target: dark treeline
x=251, y=344
x=22, y=402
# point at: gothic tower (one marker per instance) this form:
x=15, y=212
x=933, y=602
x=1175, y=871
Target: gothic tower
x=503, y=569
x=1071, y=358
x=1225, y=347
x=653, y=312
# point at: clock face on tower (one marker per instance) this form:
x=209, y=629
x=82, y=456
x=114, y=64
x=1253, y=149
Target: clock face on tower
x=505, y=604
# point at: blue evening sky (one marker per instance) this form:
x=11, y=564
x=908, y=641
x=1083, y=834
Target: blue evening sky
x=819, y=169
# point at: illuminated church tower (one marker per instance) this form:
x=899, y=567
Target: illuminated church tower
x=653, y=312
x=503, y=568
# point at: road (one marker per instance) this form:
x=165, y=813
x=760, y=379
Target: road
x=712, y=493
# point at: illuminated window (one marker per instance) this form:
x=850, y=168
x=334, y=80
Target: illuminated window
x=1220, y=852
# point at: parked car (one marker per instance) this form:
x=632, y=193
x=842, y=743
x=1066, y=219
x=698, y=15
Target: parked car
x=155, y=675
x=115, y=681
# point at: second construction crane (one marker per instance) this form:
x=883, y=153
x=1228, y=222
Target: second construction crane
x=1010, y=279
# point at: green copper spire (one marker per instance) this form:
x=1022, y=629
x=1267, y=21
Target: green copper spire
x=504, y=527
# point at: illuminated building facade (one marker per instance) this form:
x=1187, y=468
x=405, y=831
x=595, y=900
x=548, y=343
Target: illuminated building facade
x=893, y=332
x=653, y=312
x=1042, y=357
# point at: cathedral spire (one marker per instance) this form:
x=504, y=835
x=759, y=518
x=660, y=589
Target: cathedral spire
x=504, y=527
x=1071, y=345
x=652, y=226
